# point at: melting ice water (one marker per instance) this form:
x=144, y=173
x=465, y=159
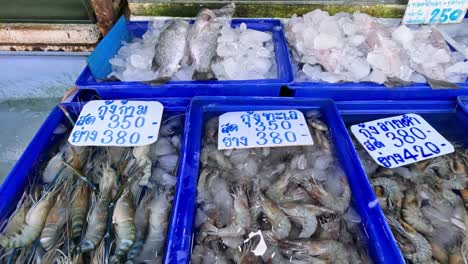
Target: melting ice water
x=20, y=121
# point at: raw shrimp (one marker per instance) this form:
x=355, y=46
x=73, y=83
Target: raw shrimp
x=141, y=223
x=55, y=222
x=35, y=220
x=141, y=154
x=281, y=226
x=123, y=220
x=423, y=250
x=158, y=223
x=329, y=250
x=278, y=188
x=306, y=215
x=19, y=216
x=392, y=189
x=327, y=199
x=108, y=183
x=79, y=209
x=306, y=218
x=97, y=222
x=412, y=214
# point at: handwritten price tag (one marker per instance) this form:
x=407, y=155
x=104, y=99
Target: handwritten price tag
x=117, y=123
x=435, y=11
x=254, y=129
x=396, y=141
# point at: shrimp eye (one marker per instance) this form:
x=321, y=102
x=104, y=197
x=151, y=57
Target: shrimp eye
x=425, y=202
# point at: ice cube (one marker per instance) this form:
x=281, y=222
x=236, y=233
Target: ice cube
x=263, y=53
x=231, y=68
x=331, y=77
x=228, y=34
x=117, y=61
x=218, y=70
x=441, y=56
x=458, y=68
x=243, y=27
x=330, y=26
x=356, y=40
x=403, y=35
x=377, y=76
x=316, y=16
x=184, y=73
x=312, y=72
x=226, y=49
x=360, y=68
x=259, y=65
x=326, y=41
x=138, y=61
x=254, y=36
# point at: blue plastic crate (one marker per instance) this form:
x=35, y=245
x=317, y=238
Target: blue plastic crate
x=373, y=91
x=44, y=146
x=264, y=87
x=382, y=245
x=449, y=118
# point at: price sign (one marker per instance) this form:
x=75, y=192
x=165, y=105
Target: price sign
x=435, y=11
x=253, y=129
x=117, y=123
x=396, y=141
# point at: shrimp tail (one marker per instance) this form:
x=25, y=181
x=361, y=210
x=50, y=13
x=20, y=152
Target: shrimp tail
x=210, y=229
x=146, y=163
x=27, y=237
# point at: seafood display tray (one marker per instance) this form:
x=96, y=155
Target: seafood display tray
x=449, y=118
x=45, y=144
x=381, y=244
x=266, y=87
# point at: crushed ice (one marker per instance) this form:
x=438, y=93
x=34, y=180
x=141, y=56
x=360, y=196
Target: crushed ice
x=357, y=47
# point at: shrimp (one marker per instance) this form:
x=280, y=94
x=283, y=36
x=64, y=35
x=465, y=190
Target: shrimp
x=141, y=154
x=322, y=141
x=280, y=224
x=337, y=204
x=278, y=188
x=15, y=222
x=141, y=223
x=78, y=209
x=306, y=214
x=330, y=250
x=392, y=189
x=108, y=183
x=35, y=220
x=54, y=223
x=241, y=208
x=317, y=124
x=423, y=250
x=306, y=218
x=412, y=214
x=97, y=222
x=230, y=231
x=123, y=219
x=158, y=223
x=439, y=253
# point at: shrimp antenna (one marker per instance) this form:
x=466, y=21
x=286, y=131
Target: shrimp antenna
x=82, y=177
x=170, y=118
x=67, y=114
